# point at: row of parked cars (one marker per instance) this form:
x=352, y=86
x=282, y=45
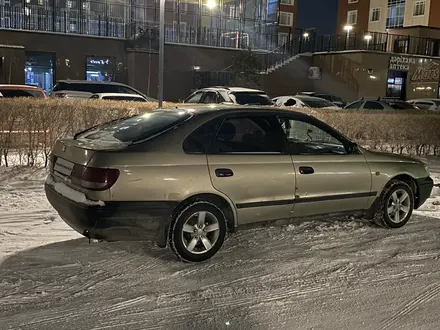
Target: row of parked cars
x=81, y=89
x=78, y=89
x=245, y=96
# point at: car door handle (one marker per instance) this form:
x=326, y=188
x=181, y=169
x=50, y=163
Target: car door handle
x=306, y=170
x=223, y=172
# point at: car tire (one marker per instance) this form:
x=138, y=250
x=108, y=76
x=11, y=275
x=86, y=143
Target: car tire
x=197, y=232
x=396, y=204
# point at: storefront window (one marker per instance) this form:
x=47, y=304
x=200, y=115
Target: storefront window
x=39, y=70
x=396, y=85
x=100, y=68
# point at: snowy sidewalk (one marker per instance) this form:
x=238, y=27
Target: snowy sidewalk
x=334, y=274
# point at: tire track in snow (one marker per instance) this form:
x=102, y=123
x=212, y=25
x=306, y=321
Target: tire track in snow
x=411, y=306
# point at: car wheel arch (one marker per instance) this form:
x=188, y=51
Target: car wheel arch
x=405, y=177
x=224, y=204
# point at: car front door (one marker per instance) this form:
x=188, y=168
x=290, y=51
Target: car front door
x=247, y=162
x=329, y=179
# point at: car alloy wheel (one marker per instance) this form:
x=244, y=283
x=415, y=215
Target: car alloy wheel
x=200, y=232
x=398, y=206
x=197, y=232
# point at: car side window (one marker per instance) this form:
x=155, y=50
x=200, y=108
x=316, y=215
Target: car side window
x=355, y=105
x=373, y=105
x=195, y=98
x=424, y=105
x=304, y=138
x=249, y=134
x=209, y=98
x=290, y=103
x=199, y=140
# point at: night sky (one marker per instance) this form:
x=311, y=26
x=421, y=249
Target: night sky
x=321, y=14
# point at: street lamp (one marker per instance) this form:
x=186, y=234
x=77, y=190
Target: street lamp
x=306, y=35
x=211, y=4
x=368, y=38
x=348, y=28
x=161, y=49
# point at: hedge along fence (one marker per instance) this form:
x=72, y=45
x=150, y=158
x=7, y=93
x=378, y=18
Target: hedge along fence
x=29, y=127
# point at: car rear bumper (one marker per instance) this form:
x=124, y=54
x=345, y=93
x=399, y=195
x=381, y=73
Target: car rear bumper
x=424, y=189
x=115, y=221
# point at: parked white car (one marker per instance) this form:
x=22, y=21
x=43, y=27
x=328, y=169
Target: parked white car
x=303, y=101
x=83, y=89
x=121, y=97
x=426, y=104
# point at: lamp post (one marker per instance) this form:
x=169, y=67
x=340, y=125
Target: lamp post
x=161, y=49
x=368, y=38
x=348, y=28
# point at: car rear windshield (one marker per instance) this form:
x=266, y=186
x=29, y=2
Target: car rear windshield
x=6, y=92
x=136, y=128
x=123, y=98
x=400, y=105
x=318, y=103
x=251, y=98
x=93, y=88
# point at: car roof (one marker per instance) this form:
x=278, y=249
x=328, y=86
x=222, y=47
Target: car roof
x=10, y=86
x=119, y=94
x=426, y=99
x=68, y=81
x=233, y=89
x=223, y=108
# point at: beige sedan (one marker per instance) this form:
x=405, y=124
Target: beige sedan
x=185, y=176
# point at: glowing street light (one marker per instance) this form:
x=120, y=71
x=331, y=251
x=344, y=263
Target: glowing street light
x=306, y=35
x=348, y=28
x=368, y=38
x=211, y=4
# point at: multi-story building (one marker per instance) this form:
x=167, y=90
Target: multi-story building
x=380, y=15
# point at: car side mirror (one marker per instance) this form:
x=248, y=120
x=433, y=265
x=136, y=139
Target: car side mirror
x=352, y=148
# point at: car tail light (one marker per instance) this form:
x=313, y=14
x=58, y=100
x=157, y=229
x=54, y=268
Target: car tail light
x=52, y=161
x=92, y=178
x=61, y=95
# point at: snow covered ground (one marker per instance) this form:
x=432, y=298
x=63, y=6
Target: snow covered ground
x=334, y=274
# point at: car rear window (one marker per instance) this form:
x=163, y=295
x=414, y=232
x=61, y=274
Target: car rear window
x=318, y=103
x=251, y=98
x=93, y=88
x=402, y=105
x=136, y=128
x=123, y=98
x=6, y=92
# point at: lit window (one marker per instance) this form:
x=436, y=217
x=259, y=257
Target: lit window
x=375, y=15
x=288, y=2
x=286, y=19
x=419, y=8
x=352, y=16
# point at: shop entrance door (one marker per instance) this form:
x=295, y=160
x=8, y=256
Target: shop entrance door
x=39, y=70
x=396, y=86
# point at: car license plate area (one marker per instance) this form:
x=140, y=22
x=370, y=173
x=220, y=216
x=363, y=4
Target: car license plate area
x=63, y=168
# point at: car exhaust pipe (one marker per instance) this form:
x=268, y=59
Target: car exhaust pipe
x=86, y=233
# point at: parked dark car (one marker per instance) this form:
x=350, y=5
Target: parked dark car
x=340, y=102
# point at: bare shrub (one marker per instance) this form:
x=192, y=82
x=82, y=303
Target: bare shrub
x=30, y=127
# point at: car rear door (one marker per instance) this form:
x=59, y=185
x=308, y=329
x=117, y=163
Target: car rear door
x=329, y=179
x=248, y=164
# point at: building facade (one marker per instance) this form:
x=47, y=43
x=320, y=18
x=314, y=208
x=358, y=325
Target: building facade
x=381, y=15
